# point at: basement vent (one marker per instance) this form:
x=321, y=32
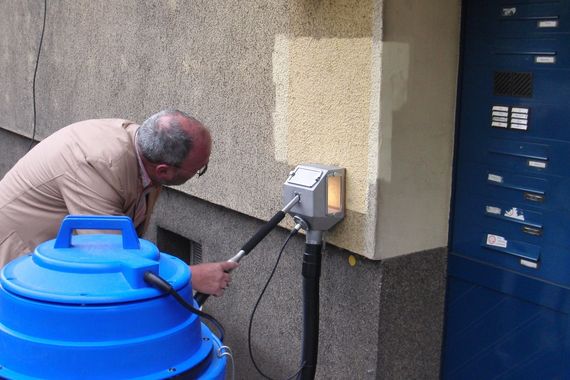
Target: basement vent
x=177, y=245
x=195, y=252
x=509, y=83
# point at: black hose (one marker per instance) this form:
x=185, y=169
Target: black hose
x=263, y=231
x=201, y=298
x=247, y=247
x=161, y=284
x=311, y=278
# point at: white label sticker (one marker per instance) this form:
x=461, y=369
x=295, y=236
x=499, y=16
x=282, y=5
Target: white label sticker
x=499, y=124
x=519, y=121
x=544, y=59
x=548, y=24
x=493, y=210
x=498, y=113
x=529, y=264
x=515, y=213
x=537, y=164
x=520, y=110
x=519, y=116
x=501, y=108
x=495, y=178
x=503, y=119
x=519, y=127
x=496, y=241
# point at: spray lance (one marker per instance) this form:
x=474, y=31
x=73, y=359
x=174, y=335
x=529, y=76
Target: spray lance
x=254, y=240
x=315, y=197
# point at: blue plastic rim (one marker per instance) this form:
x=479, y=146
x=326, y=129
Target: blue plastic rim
x=92, y=269
x=79, y=308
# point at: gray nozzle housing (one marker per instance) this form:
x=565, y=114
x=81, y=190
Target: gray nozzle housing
x=322, y=194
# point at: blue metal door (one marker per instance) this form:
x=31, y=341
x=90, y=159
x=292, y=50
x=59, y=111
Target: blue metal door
x=509, y=267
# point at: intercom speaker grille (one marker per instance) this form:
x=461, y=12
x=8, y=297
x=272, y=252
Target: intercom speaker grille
x=508, y=83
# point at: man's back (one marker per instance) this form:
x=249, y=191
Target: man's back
x=89, y=167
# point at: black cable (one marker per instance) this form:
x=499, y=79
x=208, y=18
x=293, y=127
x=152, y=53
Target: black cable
x=161, y=284
x=250, y=245
x=35, y=74
x=293, y=232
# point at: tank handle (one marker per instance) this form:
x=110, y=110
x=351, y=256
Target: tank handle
x=97, y=222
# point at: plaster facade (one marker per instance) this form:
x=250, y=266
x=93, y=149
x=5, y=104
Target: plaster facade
x=278, y=83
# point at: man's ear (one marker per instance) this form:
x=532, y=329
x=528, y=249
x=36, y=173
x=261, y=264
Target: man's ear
x=164, y=172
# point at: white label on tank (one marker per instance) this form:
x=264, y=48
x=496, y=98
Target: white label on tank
x=497, y=113
x=499, y=124
x=496, y=241
x=544, y=59
x=501, y=108
x=519, y=121
x=493, y=210
x=537, y=164
x=519, y=110
x=495, y=178
x=548, y=24
x=519, y=116
x=529, y=264
x=503, y=119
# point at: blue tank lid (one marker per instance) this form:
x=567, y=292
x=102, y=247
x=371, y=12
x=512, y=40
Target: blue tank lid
x=92, y=268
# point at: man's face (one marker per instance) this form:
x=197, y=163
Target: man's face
x=195, y=164
x=182, y=175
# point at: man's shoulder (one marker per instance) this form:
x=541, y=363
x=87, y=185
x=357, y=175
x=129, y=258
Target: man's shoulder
x=118, y=126
x=107, y=146
x=99, y=133
x=107, y=140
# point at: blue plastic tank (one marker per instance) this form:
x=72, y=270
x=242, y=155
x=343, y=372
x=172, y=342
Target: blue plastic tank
x=78, y=308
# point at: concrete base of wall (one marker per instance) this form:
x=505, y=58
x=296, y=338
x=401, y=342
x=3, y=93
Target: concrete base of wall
x=411, y=324
x=12, y=148
x=379, y=319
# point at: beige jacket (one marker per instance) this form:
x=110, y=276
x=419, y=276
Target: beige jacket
x=90, y=167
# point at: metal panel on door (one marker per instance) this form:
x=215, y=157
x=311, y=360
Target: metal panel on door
x=509, y=267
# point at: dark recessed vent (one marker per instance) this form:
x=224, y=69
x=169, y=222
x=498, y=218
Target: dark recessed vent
x=185, y=249
x=195, y=252
x=508, y=83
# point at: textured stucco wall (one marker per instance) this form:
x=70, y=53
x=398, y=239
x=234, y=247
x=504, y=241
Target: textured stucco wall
x=131, y=58
x=420, y=51
x=329, y=67
x=279, y=83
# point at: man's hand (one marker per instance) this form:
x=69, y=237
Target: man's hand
x=212, y=278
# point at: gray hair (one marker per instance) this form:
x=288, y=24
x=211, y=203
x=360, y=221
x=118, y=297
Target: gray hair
x=164, y=140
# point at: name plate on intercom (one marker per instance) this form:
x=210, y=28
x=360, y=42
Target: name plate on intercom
x=510, y=117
